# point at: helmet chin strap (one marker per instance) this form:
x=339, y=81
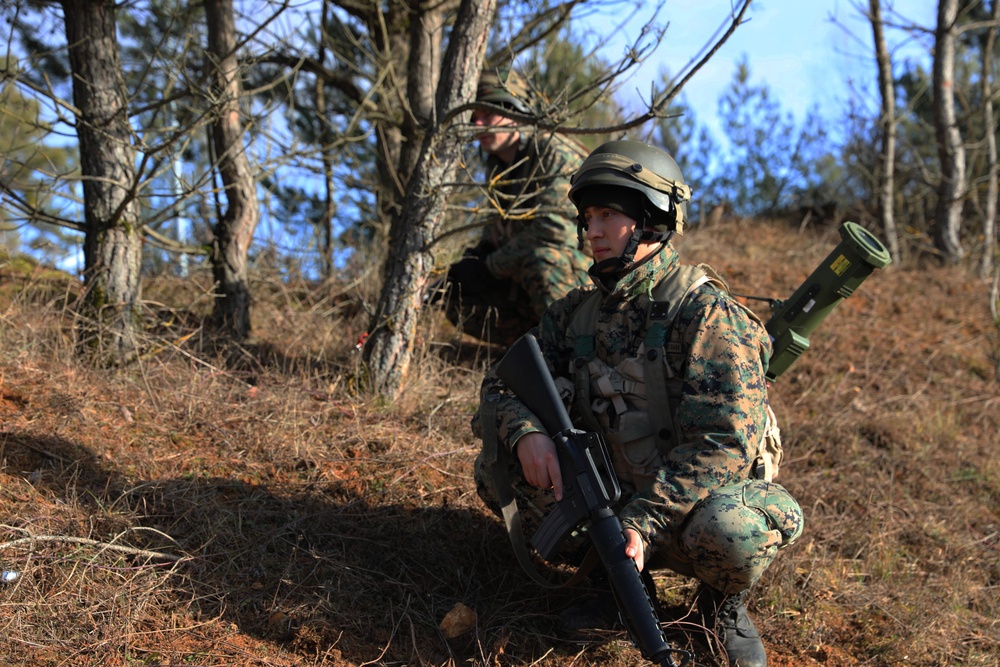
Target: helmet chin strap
x=615, y=266
x=626, y=261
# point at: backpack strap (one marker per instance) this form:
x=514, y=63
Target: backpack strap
x=663, y=387
x=583, y=328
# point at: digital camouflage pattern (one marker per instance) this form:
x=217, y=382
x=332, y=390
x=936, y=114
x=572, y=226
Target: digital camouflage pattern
x=732, y=535
x=691, y=517
x=531, y=244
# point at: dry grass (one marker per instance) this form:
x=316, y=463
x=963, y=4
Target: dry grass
x=266, y=514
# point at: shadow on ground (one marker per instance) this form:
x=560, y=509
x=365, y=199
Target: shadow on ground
x=317, y=570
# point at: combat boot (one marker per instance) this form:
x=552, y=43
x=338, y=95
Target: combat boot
x=726, y=615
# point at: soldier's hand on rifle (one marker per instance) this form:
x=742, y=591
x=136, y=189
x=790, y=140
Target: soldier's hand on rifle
x=539, y=462
x=633, y=547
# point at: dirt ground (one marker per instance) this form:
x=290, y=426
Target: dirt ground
x=254, y=509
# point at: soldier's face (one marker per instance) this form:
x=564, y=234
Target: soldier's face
x=496, y=142
x=609, y=231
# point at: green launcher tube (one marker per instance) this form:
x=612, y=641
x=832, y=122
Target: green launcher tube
x=835, y=279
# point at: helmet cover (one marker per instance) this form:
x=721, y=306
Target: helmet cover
x=641, y=167
x=503, y=87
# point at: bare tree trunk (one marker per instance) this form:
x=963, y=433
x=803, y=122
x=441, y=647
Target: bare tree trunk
x=418, y=54
x=112, y=244
x=393, y=326
x=986, y=266
x=951, y=151
x=887, y=154
x=235, y=229
x=421, y=80
x=325, y=224
x=390, y=33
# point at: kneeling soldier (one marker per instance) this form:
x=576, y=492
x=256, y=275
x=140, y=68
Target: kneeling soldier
x=670, y=370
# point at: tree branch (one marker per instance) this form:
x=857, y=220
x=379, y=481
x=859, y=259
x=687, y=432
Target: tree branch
x=87, y=541
x=656, y=107
x=341, y=82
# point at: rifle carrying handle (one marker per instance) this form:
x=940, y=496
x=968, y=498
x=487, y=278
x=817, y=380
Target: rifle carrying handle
x=524, y=372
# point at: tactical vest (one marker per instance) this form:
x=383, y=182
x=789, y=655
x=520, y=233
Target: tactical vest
x=634, y=404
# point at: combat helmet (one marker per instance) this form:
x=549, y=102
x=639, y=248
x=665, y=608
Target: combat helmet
x=503, y=87
x=631, y=168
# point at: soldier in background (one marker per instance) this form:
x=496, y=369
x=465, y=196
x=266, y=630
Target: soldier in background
x=528, y=255
x=670, y=370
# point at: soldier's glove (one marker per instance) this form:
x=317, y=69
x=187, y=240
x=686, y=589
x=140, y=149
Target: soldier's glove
x=480, y=250
x=470, y=271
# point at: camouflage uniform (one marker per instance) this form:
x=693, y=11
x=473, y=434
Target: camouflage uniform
x=700, y=512
x=531, y=249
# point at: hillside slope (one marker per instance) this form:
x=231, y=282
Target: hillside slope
x=255, y=510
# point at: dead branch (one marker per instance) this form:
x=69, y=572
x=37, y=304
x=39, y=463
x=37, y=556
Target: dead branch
x=158, y=555
x=657, y=105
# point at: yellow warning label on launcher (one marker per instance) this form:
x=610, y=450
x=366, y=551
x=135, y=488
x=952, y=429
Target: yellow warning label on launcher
x=840, y=265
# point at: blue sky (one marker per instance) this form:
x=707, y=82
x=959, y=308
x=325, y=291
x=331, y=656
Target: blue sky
x=806, y=51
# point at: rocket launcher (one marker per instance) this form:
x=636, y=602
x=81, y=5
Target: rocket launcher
x=835, y=279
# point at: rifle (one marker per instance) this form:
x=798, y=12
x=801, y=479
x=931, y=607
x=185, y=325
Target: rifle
x=590, y=490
